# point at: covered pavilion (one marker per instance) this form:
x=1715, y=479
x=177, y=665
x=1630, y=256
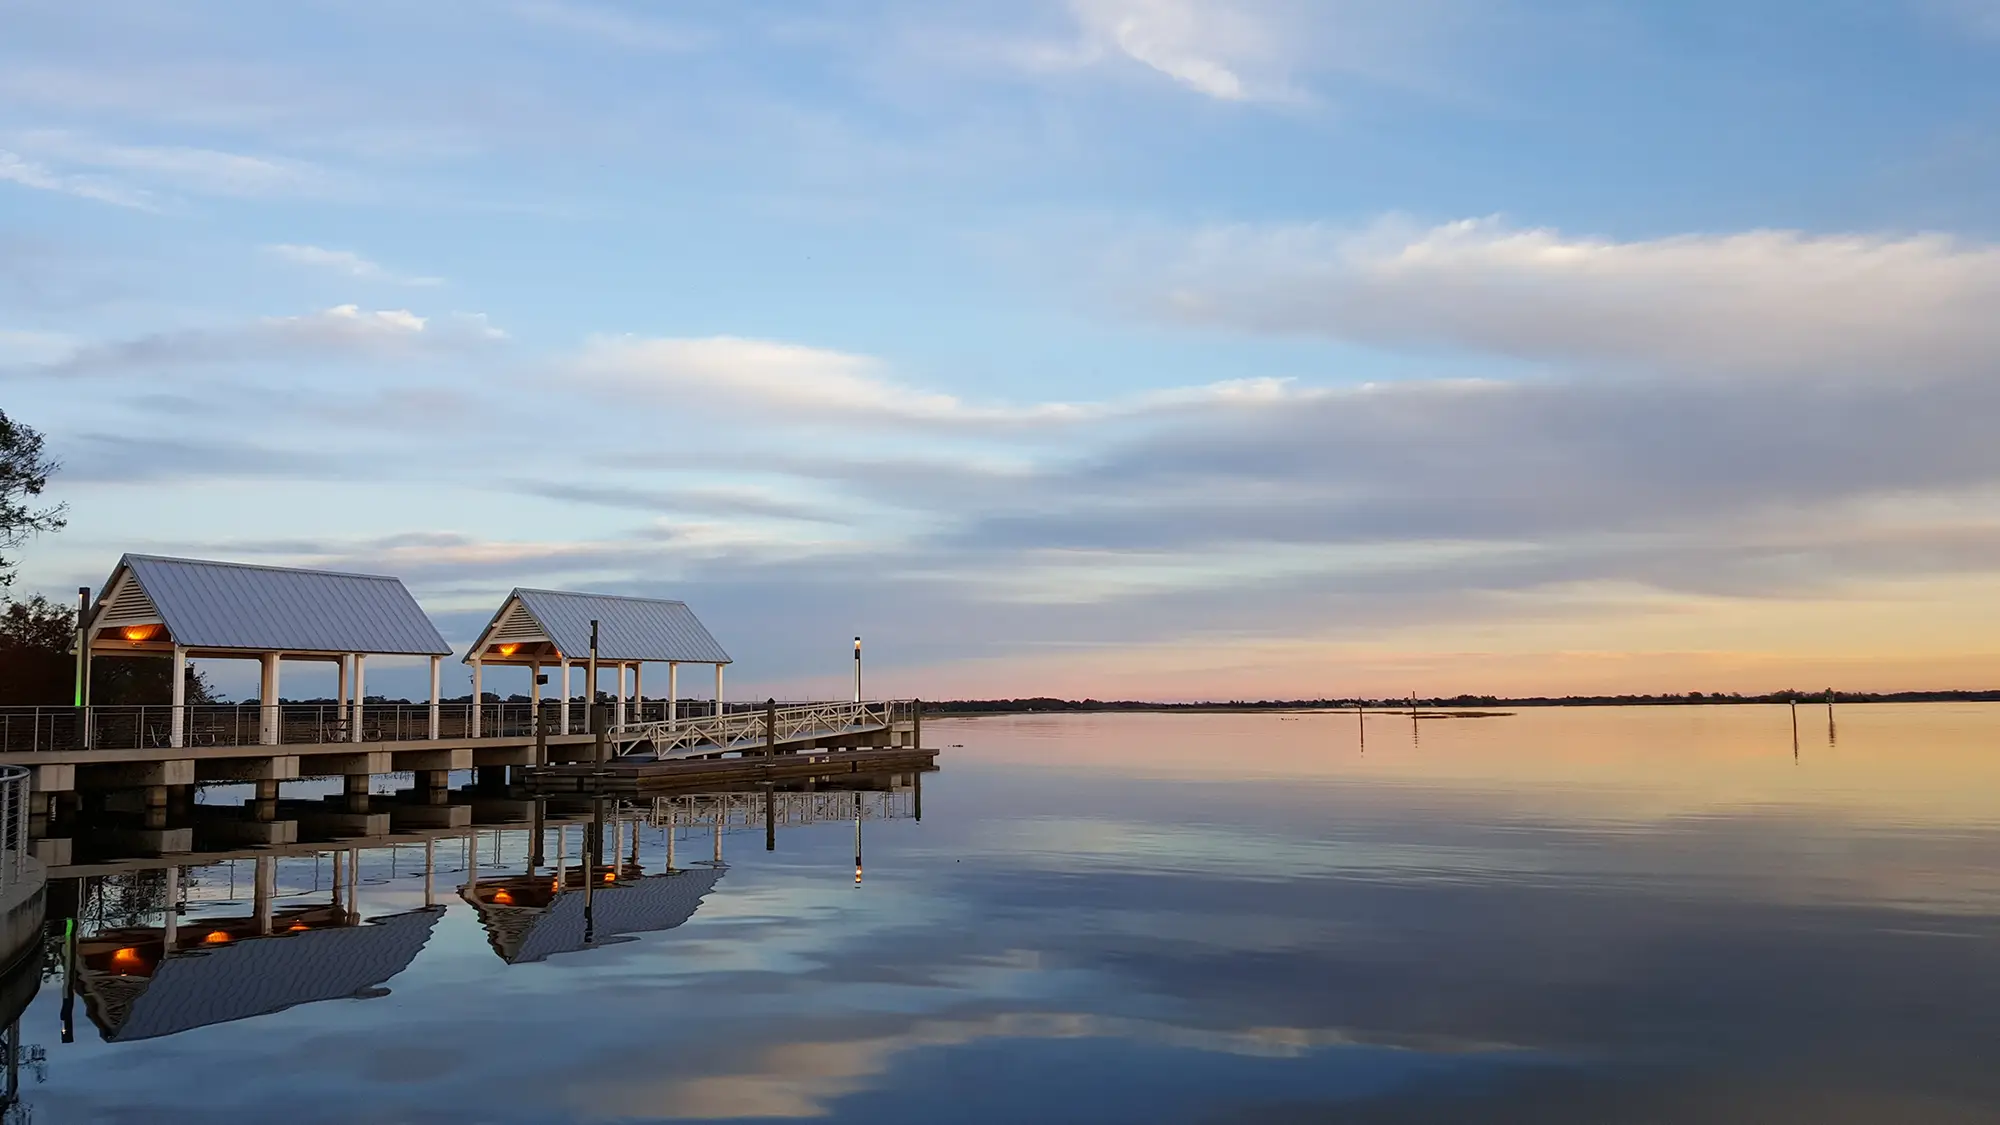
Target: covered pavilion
x=184, y=608
x=541, y=628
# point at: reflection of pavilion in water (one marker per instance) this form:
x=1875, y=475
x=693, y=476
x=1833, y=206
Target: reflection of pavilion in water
x=134, y=988
x=140, y=982
x=599, y=901
x=543, y=881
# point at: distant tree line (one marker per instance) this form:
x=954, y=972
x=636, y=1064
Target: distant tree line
x=1040, y=704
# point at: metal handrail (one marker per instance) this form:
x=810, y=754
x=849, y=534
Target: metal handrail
x=753, y=727
x=150, y=727
x=15, y=792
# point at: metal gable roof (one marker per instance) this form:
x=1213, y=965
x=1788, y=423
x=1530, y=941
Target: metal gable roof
x=644, y=905
x=648, y=629
x=279, y=609
x=257, y=976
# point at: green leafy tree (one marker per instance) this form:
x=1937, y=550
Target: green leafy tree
x=25, y=468
x=38, y=664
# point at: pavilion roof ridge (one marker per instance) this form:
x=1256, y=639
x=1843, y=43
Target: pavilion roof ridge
x=233, y=564
x=590, y=594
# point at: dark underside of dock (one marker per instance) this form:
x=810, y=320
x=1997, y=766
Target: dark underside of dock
x=623, y=776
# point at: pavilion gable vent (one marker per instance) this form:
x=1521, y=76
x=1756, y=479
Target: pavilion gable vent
x=128, y=605
x=518, y=626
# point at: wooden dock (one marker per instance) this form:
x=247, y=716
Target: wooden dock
x=629, y=777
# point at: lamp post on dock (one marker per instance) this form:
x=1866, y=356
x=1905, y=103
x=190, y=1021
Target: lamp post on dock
x=857, y=669
x=590, y=710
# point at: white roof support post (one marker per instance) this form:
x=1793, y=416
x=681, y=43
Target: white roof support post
x=264, y=890
x=562, y=717
x=638, y=695
x=169, y=926
x=478, y=698
x=177, y=733
x=673, y=695
x=618, y=712
x=435, y=661
x=267, y=689
x=360, y=694
x=718, y=691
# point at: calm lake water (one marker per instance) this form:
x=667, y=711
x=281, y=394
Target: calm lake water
x=1645, y=915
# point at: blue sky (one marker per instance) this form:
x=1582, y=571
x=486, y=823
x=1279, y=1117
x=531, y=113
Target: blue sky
x=1113, y=347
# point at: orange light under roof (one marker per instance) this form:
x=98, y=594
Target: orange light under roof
x=509, y=649
x=216, y=937
x=126, y=959
x=502, y=898
x=137, y=633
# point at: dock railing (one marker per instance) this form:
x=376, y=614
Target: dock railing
x=689, y=723
x=14, y=813
x=752, y=725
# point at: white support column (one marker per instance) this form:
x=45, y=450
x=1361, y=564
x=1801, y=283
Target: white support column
x=673, y=694
x=169, y=927
x=478, y=697
x=638, y=696
x=266, y=887
x=718, y=691
x=435, y=671
x=177, y=733
x=618, y=711
x=267, y=691
x=360, y=694
x=562, y=718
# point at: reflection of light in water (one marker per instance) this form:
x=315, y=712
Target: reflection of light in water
x=127, y=959
x=216, y=937
x=297, y=926
x=502, y=898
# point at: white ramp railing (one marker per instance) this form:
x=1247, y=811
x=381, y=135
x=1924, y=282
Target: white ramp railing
x=750, y=730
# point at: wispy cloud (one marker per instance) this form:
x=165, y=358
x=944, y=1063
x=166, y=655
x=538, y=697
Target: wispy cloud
x=345, y=262
x=200, y=171
x=795, y=382
x=1766, y=301
x=607, y=24
x=343, y=330
x=17, y=169
x=1215, y=48
x=1980, y=17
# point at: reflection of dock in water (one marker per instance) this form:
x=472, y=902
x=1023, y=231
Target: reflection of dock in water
x=134, y=988
x=528, y=918
x=599, y=901
x=160, y=945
